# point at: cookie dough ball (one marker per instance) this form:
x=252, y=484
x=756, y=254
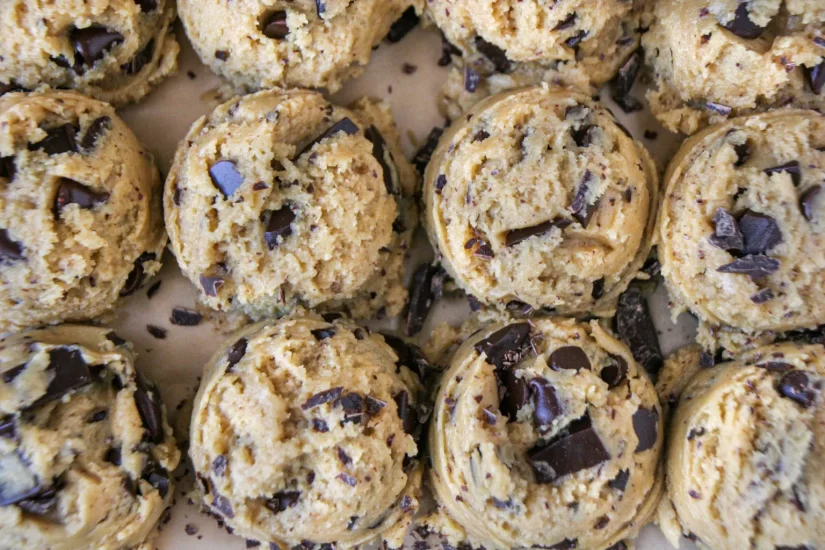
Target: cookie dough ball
x=115, y=51
x=742, y=230
x=305, y=432
x=85, y=448
x=547, y=435
x=280, y=199
x=745, y=466
x=80, y=212
x=712, y=59
x=540, y=197
x=257, y=44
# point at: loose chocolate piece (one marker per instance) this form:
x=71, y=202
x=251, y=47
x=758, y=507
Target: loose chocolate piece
x=323, y=333
x=409, y=355
x=613, y=375
x=755, y=267
x=402, y=27
x=156, y=331
x=143, y=57
x=211, y=285
x=646, y=426
x=222, y=505
x=718, y=108
x=726, y=234
x=279, y=226
x=569, y=358
x=7, y=168
x=320, y=7
x=516, y=236
x=185, y=317
x=576, y=39
x=742, y=26
x=546, y=406
x=623, y=83
x=90, y=44
x=406, y=412
x=384, y=157
x=219, y=465
x=12, y=373
x=9, y=249
x=764, y=295
x=72, y=192
x=70, y=373
x=147, y=400
x=495, y=54
x=423, y=156
x=322, y=397
x=793, y=168
x=94, y=131
x=282, y=500
x=807, y=200
x=225, y=176
x=620, y=481
x=236, y=353
x=58, y=141
x=581, y=209
x=507, y=346
x=567, y=22
x=344, y=125
x=275, y=26
x=580, y=448
x=636, y=329
x=743, y=153
x=761, y=233
x=816, y=78
x=425, y=290
x=796, y=386
x=471, y=79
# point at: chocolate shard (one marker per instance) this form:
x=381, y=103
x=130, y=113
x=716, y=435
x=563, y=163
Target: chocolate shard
x=374, y=405
x=211, y=285
x=157, y=478
x=147, y=400
x=567, y=22
x=578, y=449
x=323, y=333
x=761, y=232
x=410, y=356
x=92, y=43
x=44, y=502
x=507, y=346
x=322, y=397
x=726, y=234
x=471, y=79
x=513, y=391
x=9, y=250
x=70, y=373
x=320, y=7
x=569, y=358
x=623, y=83
x=516, y=236
x=816, y=77
x=613, y=375
x=223, y=506
x=495, y=54
x=344, y=125
x=423, y=156
x=425, y=290
x=406, y=412
x=135, y=278
x=275, y=26
x=581, y=209
x=282, y=500
x=620, y=481
x=756, y=267
x=576, y=39
x=583, y=135
x=742, y=26
x=225, y=176
x=792, y=168
x=9, y=375
x=546, y=406
x=58, y=141
x=402, y=27
x=185, y=317
x=636, y=329
x=718, y=108
x=94, y=131
x=763, y=296
x=384, y=157
x=279, y=226
x=646, y=426
x=72, y=192
x=807, y=202
x=36, y=497
x=219, y=465
x=797, y=386
x=236, y=353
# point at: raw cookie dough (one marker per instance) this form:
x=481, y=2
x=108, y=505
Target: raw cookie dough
x=742, y=229
x=545, y=434
x=305, y=432
x=112, y=50
x=501, y=44
x=746, y=454
x=539, y=197
x=258, y=44
x=712, y=59
x=85, y=448
x=80, y=212
x=280, y=199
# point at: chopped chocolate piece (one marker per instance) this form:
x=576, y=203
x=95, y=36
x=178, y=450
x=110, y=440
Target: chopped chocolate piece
x=519, y=307
x=567, y=22
x=764, y=295
x=796, y=386
x=345, y=459
x=570, y=358
x=42, y=503
x=147, y=401
x=403, y=25
x=755, y=267
x=282, y=500
x=406, y=412
x=620, y=481
x=545, y=403
x=322, y=397
x=742, y=26
x=646, y=426
x=448, y=50
x=211, y=285
x=409, y=355
x=775, y=366
x=143, y=57
x=598, y=289
x=9, y=375
x=583, y=135
x=623, y=83
x=279, y=226
x=516, y=236
x=353, y=405
x=793, y=168
x=90, y=44
x=115, y=339
x=514, y=393
x=506, y=347
x=580, y=448
x=222, y=55
x=636, y=329
x=94, y=131
x=225, y=177
x=320, y=7
x=652, y=266
x=236, y=353
x=254, y=544
x=9, y=249
x=726, y=235
x=323, y=333
x=57, y=141
x=743, y=153
x=70, y=373
x=219, y=465
x=482, y=249
x=576, y=39
x=807, y=200
x=72, y=192
x=581, y=209
x=471, y=79
x=275, y=26
x=320, y=425
x=495, y=54
x=718, y=108
x=348, y=479
x=185, y=317
x=156, y=331
x=425, y=290
x=344, y=125
x=602, y=523
x=613, y=375
x=384, y=157
x=490, y=417
x=816, y=77
x=157, y=478
x=374, y=405
x=222, y=505
x=761, y=233
x=423, y=156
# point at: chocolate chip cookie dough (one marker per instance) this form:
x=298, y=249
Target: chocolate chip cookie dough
x=257, y=44
x=545, y=434
x=305, y=432
x=742, y=229
x=281, y=199
x=114, y=50
x=85, y=448
x=745, y=465
x=713, y=59
x=540, y=197
x=80, y=212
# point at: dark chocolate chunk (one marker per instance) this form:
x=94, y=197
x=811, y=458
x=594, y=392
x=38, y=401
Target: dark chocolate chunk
x=157, y=478
x=423, y=156
x=90, y=44
x=12, y=373
x=761, y=233
x=409, y=355
x=718, y=108
x=726, y=235
x=506, y=347
x=9, y=249
x=482, y=249
x=323, y=333
x=580, y=448
x=57, y=141
x=275, y=26
x=345, y=459
x=581, y=209
x=374, y=405
x=516, y=236
x=816, y=78
x=211, y=285
x=236, y=353
x=583, y=135
x=742, y=26
x=115, y=339
x=222, y=505
x=156, y=331
x=282, y=500
x=807, y=200
x=344, y=125
x=743, y=153
x=793, y=168
x=147, y=400
x=440, y=183
x=225, y=177
x=646, y=426
x=495, y=54
x=279, y=226
x=471, y=79
x=636, y=329
x=320, y=7
x=222, y=55
x=384, y=157
x=567, y=22
x=546, y=406
x=613, y=375
x=403, y=25
x=70, y=373
x=348, y=479
x=425, y=290
x=94, y=131
x=185, y=317
x=570, y=358
x=7, y=168
x=406, y=412
x=514, y=393
x=775, y=366
x=755, y=267
x=322, y=397
x=490, y=417
x=764, y=295
x=72, y=192
x=320, y=425
x=576, y=39
x=42, y=503
x=620, y=481
x=623, y=83
x=353, y=405
x=141, y=59
x=219, y=465
x=796, y=386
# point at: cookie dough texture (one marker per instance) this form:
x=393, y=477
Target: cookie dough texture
x=112, y=50
x=258, y=44
x=86, y=451
x=298, y=435
x=703, y=72
x=80, y=212
x=745, y=453
x=730, y=170
x=281, y=199
x=500, y=406
x=540, y=197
